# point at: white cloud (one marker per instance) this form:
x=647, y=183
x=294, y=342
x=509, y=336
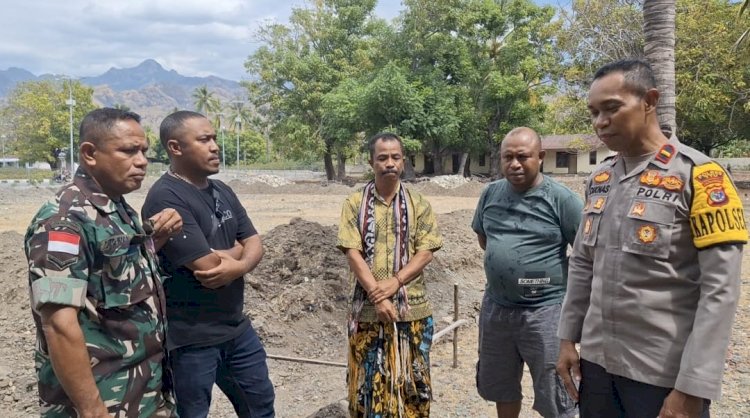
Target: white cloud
x=87, y=37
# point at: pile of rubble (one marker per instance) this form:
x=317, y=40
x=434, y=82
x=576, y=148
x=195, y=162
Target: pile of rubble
x=450, y=182
x=269, y=179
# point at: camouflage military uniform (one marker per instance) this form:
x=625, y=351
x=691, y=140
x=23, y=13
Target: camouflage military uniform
x=91, y=253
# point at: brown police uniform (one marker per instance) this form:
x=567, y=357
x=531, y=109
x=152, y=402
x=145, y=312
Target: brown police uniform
x=654, y=276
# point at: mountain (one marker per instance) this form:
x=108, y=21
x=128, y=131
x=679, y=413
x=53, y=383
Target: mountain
x=148, y=88
x=12, y=76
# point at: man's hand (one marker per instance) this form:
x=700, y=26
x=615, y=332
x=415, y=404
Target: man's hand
x=385, y=289
x=386, y=311
x=228, y=270
x=165, y=224
x=681, y=405
x=569, y=367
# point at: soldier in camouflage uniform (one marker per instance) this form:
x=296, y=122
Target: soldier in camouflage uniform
x=96, y=295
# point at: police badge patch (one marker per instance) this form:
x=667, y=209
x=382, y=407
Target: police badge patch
x=647, y=234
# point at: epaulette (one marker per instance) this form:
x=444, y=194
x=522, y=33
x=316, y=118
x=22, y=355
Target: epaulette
x=697, y=157
x=612, y=158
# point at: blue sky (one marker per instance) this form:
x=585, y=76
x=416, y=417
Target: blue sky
x=193, y=37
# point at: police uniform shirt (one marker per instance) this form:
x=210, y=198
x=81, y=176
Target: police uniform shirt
x=654, y=276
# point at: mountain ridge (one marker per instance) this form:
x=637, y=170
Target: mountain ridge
x=148, y=88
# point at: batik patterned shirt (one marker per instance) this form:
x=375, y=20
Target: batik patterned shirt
x=423, y=235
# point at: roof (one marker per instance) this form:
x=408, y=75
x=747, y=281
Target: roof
x=573, y=141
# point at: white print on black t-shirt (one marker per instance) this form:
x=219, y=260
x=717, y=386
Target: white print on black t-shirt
x=225, y=216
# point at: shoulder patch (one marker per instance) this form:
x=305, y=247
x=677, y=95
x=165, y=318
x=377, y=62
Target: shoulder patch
x=716, y=213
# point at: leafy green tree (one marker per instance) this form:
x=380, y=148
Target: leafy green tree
x=713, y=80
x=38, y=118
x=300, y=63
x=156, y=151
x=462, y=73
x=711, y=77
x=591, y=34
x=511, y=55
x=252, y=147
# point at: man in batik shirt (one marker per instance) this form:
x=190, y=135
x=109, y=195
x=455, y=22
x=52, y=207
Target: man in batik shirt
x=388, y=234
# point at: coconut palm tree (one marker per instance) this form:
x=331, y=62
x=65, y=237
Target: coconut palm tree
x=658, y=31
x=205, y=102
x=239, y=112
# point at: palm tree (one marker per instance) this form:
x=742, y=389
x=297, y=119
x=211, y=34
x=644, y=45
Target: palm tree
x=658, y=31
x=237, y=109
x=205, y=102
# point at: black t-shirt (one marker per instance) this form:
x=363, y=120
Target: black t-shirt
x=213, y=218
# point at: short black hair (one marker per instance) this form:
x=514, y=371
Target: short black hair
x=385, y=136
x=171, y=125
x=96, y=125
x=638, y=74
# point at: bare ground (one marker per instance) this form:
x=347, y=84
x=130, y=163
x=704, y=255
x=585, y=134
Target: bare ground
x=297, y=300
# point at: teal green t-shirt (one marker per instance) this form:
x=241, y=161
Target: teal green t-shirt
x=525, y=258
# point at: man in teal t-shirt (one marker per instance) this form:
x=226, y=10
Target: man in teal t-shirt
x=524, y=223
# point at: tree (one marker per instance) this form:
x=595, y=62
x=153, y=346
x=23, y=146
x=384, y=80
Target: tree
x=473, y=69
x=659, y=48
x=712, y=79
x=156, y=151
x=205, y=101
x=38, y=118
x=591, y=34
x=512, y=56
x=299, y=64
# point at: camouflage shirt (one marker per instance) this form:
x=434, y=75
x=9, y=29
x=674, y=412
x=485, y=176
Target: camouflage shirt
x=91, y=253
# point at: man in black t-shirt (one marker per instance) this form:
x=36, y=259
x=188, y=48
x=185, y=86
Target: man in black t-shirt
x=209, y=338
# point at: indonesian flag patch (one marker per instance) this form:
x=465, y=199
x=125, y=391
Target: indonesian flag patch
x=63, y=242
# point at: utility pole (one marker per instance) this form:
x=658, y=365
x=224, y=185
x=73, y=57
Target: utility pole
x=238, y=121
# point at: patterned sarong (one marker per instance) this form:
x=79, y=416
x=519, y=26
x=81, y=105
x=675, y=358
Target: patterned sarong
x=389, y=369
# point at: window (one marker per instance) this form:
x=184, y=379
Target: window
x=482, y=162
x=413, y=160
x=562, y=160
x=592, y=157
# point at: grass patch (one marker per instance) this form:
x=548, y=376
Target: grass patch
x=32, y=174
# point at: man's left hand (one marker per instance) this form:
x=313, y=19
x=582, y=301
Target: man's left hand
x=681, y=405
x=228, y=270
x=165, y=224
x=385, y=289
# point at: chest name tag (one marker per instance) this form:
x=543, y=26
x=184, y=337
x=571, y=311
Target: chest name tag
x=534, y=282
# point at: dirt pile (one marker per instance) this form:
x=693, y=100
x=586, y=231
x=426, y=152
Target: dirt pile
x=17, y=377
x=299, y=292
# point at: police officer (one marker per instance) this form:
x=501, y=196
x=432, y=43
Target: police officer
x=96, y=296
x=654, y=276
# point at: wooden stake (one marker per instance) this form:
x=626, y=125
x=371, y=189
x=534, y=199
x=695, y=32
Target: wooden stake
x=455, y=320
x=305, y=360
